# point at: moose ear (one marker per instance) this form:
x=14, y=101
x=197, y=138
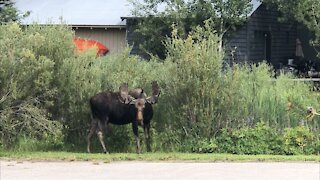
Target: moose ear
x=123, y=89
x=155, y=93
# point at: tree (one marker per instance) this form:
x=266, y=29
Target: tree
x=8, y=12
x=159, y=15
x=226, y=14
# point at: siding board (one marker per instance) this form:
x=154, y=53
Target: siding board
x=113, y=38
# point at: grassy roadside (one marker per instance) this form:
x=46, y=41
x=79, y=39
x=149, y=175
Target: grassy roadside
x=71, y=156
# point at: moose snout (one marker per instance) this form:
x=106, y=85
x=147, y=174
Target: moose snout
x=140, y=116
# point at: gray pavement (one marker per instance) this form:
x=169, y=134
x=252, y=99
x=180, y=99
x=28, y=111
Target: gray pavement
x=137, y=170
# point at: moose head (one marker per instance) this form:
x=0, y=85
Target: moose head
x=139, y=98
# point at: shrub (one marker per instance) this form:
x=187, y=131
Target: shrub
x=299, y=140
x=258, y=140
x=263, y=139
x=194, y=89
x=317, y=146
x=45, y=143
x=25, y=85
x=203, y=146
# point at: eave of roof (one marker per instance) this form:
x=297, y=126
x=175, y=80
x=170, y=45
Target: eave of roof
x=99, y=26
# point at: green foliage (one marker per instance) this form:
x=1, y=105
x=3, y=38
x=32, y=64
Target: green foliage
x=78, y=78
x=252, y=93
x=194, y=87
x=25, y=85
x=45, y=87
x=203, y=146
x=261, y=139
x=317, y=145
x=40, y=79
x=138, y=73
x=45, y=143
x=203, y=107
x=8, y=12
x=258, y=140
x=299, y=140
x=158, y=16
x=203, y=97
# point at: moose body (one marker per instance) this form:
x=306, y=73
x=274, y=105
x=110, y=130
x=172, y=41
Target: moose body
x=107, y=108
x=122, y=108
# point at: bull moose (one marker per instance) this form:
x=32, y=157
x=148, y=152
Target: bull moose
x=122, y=108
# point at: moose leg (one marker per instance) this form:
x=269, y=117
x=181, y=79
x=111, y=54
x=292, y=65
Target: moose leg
x=136, y=136
x=100, y=136
x=146, y=129
x=92, y=130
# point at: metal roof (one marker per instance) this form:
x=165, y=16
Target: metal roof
x=74, y=12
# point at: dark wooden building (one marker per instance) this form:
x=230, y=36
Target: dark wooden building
x=264, y=37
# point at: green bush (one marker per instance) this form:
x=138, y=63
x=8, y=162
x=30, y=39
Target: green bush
x=299, y=140
x=26, y=92
x=203, y=146
x=192, y=102
x=45, y=143
x=40, y=76
x=260, y=139
x=317, y=146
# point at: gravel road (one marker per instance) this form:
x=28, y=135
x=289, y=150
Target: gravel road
x=137, y=170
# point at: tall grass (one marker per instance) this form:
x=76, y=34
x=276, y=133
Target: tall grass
x=258, y=96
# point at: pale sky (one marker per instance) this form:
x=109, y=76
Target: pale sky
x=93, y=12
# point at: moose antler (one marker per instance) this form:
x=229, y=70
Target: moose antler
x=124, y=94
x=155, y=93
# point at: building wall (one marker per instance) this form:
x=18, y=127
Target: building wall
x=283, y=35
x=113, y=38
x=263, y=30
x=236, y=46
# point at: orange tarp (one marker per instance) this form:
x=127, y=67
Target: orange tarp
x=83, y=45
